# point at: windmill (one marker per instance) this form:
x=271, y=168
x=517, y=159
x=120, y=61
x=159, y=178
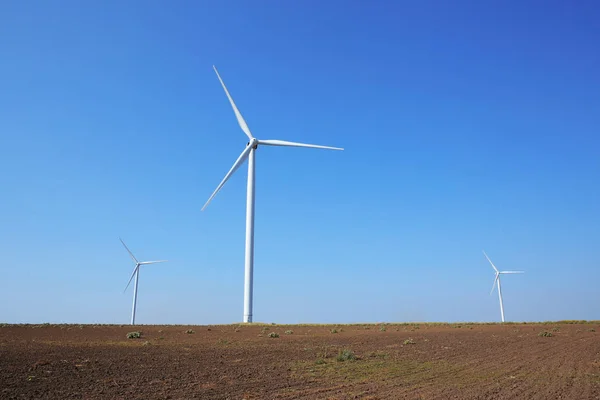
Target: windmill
x=249, y=154
x=497, y=279
x=136, y=272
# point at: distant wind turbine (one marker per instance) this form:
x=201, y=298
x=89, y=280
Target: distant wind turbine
x=249, y=153
x=136, y=272
x=497, y=279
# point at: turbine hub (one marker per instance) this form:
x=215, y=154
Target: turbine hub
x=253, y=143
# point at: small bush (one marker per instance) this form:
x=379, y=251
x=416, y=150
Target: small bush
x=346, y=355
x=545, y=334
x=591, y=330
x=189, y=331
x=334, y=331
x=134, y=335
x=409, y=341
x=382, y=328
x=289, y=332
x=555, y=329
x=320, y=361
x=273, y=335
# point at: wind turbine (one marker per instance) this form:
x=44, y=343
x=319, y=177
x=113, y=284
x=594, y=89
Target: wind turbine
x=497, y=279
x=249, y=153
x=136, y=272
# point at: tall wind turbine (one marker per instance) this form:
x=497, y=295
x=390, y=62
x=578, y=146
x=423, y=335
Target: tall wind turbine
x=136, y=272
x=497, y=279
x=249, y=153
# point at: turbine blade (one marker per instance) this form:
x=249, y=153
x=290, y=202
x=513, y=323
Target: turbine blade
x=152, y=262
x=129, y=251
x=493, y=266
x=236, y=165
x=512, y=272
x=294, y=144
x=239, y=117
x=494, y=284
x=132, y=275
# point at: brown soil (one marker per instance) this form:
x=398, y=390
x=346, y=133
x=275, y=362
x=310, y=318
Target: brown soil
x=243, y=362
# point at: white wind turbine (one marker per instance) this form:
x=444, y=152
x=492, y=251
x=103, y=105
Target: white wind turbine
x=249, y=153
x=497, y=279
x=136, y=272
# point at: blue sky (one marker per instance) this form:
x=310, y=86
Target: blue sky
x=467, y=125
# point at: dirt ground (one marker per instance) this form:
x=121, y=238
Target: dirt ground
x=404, y=361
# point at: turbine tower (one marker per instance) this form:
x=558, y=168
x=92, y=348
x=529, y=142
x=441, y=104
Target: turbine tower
x=497, y=279
x=249, y=153
x=136, y=272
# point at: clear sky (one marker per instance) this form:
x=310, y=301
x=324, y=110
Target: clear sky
x=467, y=125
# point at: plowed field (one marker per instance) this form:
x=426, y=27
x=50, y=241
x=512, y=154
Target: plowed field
x=410, y=361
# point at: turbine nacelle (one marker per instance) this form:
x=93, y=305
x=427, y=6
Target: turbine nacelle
x=253, y=143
